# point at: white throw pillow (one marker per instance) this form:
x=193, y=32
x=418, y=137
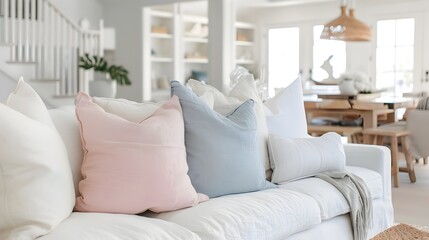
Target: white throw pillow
x=297, y=158
x=243, y=91
x=36, y=190
x=129, y=110
x=285, y=112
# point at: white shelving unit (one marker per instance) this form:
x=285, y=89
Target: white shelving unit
x=175, y=45
x=244, y=46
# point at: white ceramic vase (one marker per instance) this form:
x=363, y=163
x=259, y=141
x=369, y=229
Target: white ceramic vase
x=347, y=87
x=102, y=86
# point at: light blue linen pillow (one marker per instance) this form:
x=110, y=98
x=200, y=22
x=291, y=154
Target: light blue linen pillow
x=222, y=152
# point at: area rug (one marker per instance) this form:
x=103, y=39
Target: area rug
x=403, y=231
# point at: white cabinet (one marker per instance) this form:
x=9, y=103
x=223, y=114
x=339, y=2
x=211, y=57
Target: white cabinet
x=175, y=46
x=245, y=46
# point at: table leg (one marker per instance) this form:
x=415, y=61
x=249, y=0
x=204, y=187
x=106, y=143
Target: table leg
x=408, y=158
x=394, y=150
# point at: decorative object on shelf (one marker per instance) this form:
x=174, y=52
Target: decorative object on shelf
x=163, y=83
x=198, y=30
x=106, y=77
x=194, y=55
x=242, y=37
x=199, y=75
x=346, y=27
x=159, y=29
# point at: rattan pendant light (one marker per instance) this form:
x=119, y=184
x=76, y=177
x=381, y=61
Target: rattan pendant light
x=346, y=27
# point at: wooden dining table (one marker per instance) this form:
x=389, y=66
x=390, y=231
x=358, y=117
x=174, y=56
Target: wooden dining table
x=368, y=108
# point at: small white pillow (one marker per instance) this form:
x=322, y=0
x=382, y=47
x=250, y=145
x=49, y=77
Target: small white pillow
x=292, y=159
x=36, y=186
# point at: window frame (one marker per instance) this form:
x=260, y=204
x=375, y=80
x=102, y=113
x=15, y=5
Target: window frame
x=418, y=46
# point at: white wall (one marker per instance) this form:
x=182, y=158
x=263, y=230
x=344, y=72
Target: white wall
x=360, y=55
x=126, y=17
x=76, y=10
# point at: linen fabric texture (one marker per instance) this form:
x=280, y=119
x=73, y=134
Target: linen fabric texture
x=244, y=90
x=285, y=113
x=131, y=167
x=36, y=190
x=222, y=151
x=293, y=159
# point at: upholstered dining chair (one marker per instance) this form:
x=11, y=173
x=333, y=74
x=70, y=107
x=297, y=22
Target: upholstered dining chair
x=417, y=124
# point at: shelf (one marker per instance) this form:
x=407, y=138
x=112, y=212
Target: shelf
x=195, y=19
x=196, y=60
x=161, y=35
x=161, y=59
x=244, y=43
x=244, y=61
x=195, y=39
x=162, y=14
x=243, y=25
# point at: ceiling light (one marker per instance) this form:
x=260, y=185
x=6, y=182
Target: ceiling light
x=346, y=27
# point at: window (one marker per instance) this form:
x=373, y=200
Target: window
x=395, y=54
x=322, y=50
x=283, y=57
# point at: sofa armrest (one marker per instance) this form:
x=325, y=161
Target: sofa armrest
x=375, y=158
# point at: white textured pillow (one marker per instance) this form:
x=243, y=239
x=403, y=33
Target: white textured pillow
x=129, y=110
x=36, y=190
x=243, y=91
x=297, y=158
x=285, y=112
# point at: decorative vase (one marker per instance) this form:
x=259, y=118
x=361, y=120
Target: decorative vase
x=102, y=86
x=347, y=87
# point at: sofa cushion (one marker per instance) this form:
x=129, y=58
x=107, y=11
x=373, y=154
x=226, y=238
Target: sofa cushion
x=131, y=167
x=67, y=125
x=222, y=152
x=268, y=214
x=296, y=158
x=130, y=110
x=243, y=91
x=331, y=202
x=103, y=226
x=371, y=178
x=285, y=112
x=36, y=186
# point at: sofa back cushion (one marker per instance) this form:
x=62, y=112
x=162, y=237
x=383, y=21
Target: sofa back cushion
x=131, y=167
x=225, y=104
x=36, y=190
x=285, y=112
x=223, y=153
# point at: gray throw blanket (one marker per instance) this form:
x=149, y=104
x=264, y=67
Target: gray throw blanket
x=357, y=195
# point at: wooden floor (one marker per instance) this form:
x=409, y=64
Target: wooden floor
x=411, y=200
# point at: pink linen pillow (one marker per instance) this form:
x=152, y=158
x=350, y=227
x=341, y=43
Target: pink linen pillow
x=132, y=167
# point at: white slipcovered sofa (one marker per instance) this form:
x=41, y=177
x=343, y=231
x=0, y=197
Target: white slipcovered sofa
x=305, y=209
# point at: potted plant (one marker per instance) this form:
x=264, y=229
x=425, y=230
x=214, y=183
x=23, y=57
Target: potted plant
x=106, y=77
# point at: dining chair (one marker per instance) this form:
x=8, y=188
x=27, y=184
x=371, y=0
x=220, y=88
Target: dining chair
x=417, y=121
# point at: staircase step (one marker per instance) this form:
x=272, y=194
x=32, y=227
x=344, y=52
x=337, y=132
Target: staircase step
x=21, y=62
x=7, y=44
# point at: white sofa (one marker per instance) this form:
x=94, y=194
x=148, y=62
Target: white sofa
x=305, y=209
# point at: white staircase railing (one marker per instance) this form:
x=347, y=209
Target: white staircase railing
x=39, y=33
